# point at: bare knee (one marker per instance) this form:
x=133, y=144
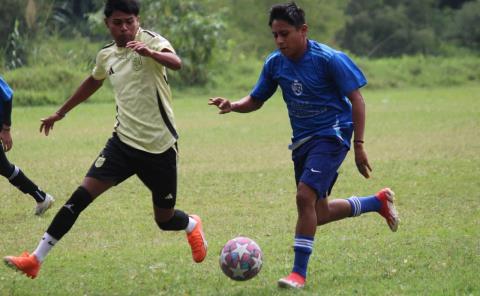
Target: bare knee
x=305, y=198
x=304, y=203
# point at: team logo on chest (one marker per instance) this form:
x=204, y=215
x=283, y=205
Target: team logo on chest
x=297, y=87
x=137, y=62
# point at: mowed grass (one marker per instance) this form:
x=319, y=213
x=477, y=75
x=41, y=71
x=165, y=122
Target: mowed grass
x=235, y=172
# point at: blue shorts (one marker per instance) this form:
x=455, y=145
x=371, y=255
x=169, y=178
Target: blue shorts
x=316, y=163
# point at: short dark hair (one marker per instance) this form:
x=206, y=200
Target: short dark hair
x=126, y=6
x=289, y=12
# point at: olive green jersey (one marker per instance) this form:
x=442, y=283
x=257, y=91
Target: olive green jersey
x=144, y=119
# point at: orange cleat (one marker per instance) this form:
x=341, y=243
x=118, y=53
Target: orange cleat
x=293, y=280
x=197, y=241
x=25, y=263
x=388, y=210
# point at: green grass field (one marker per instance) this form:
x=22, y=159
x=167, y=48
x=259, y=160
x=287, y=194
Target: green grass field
x=235, y=172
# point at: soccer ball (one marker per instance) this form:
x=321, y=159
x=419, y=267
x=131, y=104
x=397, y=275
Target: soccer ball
x=241, y=259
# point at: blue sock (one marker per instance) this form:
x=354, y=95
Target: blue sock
x=303, y=248
x=362, y=205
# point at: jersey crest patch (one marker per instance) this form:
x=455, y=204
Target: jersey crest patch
x=100, y=161
x=297, y=88
x=137, y=62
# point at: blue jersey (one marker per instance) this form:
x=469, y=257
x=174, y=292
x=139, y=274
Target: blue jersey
x=6, y=95
x=314, y=89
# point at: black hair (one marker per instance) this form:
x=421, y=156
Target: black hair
x=126, y=6
x=289, y=12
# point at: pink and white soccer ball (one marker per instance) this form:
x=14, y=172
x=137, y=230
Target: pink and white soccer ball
x=241, y=258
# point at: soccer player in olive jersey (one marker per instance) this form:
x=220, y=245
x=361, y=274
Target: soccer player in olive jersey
x=144, y=137
x=320, y=87
x=10, y=171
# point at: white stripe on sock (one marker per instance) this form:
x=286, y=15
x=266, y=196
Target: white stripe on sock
x=40, y=195
x=356, y=206
x=359, y=206
x=16, y=170
x=303, y=243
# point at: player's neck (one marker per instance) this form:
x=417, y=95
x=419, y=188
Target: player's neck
x=301, y=52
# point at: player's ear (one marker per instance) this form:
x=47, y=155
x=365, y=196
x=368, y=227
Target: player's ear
x=304, y=29
x=105, y=20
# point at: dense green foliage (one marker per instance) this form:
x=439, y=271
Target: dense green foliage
x=380, y=28
x=199, y=29
x=54, y=42
x=47, y=83
x=248, y=23
x=194, y=32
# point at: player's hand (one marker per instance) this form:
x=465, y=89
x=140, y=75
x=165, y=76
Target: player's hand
x=223, y=104
x=6, y=140
x=139, y=47
x=361, y=160
x=47, y=123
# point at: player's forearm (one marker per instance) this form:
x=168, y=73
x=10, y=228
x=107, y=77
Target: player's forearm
x=83, y=92
x=246, y=104
x=358, y=116
x=168, y=59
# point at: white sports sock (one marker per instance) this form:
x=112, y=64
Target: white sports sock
x=191, y=225
x=44, y=246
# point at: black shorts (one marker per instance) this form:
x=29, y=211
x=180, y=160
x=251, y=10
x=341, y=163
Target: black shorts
x=118, y=161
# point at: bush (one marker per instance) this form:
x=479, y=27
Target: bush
x=420, y=71
x=465, y=29
x=193, y=31
x=48, y=84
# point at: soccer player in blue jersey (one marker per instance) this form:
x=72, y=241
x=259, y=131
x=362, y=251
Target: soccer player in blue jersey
x=320, y=87
x=10, y=171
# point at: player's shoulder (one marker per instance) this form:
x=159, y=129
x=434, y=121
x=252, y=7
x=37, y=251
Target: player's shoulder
x=148, y=35
x=321, y=51
x=108, y=45
x=106, y=49
x=274, y=57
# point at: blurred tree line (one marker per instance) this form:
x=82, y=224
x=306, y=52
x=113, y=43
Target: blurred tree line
x=382, y=28
x=218, y=31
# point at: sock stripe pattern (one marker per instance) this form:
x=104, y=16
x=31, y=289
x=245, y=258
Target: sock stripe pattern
x=16, y=170
x=356, y=206
x=305, y=244
x=302, y=247
x=39, y=195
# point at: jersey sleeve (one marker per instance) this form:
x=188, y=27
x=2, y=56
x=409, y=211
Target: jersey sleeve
x=99, y=72
x=6, y=93
x=160, y=44
x=346, y=74
x=266, y=85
